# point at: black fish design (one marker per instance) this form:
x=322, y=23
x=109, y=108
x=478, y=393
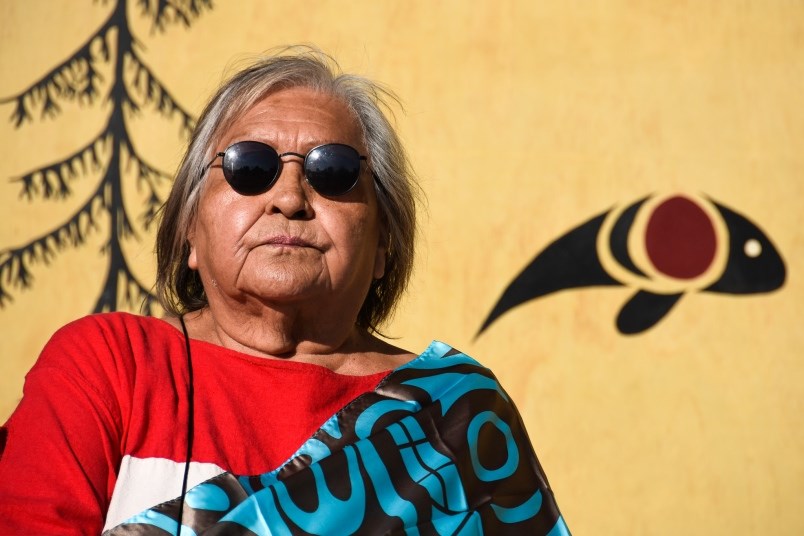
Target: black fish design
x=664, y=246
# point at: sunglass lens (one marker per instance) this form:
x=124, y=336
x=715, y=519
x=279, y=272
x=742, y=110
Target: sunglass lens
x=250, y=167
x=332, y=169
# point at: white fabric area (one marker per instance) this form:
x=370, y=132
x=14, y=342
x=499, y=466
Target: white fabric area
x=146, y=482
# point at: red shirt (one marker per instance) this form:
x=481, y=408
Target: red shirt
x=105, y=412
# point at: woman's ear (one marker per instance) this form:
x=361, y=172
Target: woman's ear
x=192, y=259
x=383, y=249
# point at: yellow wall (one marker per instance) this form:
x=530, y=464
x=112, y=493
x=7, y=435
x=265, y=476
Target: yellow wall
x=523, y=120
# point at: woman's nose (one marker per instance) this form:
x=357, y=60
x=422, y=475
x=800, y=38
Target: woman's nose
x=288, y=195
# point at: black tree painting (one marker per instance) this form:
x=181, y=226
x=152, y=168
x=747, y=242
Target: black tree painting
x=130, y=88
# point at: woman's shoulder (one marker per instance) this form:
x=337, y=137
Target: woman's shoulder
x=440, y=354
x=114, y=325
x=106, y=337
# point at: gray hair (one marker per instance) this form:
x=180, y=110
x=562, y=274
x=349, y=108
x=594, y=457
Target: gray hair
x=179, y=289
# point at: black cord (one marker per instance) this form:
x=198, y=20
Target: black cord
x=190, y=422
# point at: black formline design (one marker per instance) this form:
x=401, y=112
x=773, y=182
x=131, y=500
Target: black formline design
x=752, y=264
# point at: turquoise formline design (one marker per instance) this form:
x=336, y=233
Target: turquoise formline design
x=209, y=496
x=461, y=385
x=524, y=511
x=400, y=455
x=161, y=521
x=511, y=450
x=353, y=507
x=559, y=529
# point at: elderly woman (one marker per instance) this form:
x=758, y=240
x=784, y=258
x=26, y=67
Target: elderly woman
x=266, y=404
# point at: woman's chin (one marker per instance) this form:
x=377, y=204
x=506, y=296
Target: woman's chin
x=282, y=290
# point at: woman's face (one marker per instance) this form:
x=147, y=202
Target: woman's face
x=289, y=244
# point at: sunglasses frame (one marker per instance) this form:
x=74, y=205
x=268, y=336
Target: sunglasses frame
x=280, y=163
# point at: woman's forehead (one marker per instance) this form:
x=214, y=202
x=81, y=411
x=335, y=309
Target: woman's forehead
x=296, y=115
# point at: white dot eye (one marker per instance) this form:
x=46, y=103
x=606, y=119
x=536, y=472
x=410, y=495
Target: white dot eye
x=752, y=247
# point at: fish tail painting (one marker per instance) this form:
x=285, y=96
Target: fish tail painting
x=662, y=246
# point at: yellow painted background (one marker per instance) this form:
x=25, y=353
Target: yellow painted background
x=523, y=119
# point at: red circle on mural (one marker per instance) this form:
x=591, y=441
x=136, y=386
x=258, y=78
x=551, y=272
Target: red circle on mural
x=680, y=238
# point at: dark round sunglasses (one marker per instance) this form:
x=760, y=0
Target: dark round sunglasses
x=252, y=167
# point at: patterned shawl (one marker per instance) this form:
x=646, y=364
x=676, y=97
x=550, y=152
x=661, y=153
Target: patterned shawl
x=436, y=448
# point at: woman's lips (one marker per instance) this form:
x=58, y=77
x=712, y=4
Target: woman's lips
x=287, y=241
